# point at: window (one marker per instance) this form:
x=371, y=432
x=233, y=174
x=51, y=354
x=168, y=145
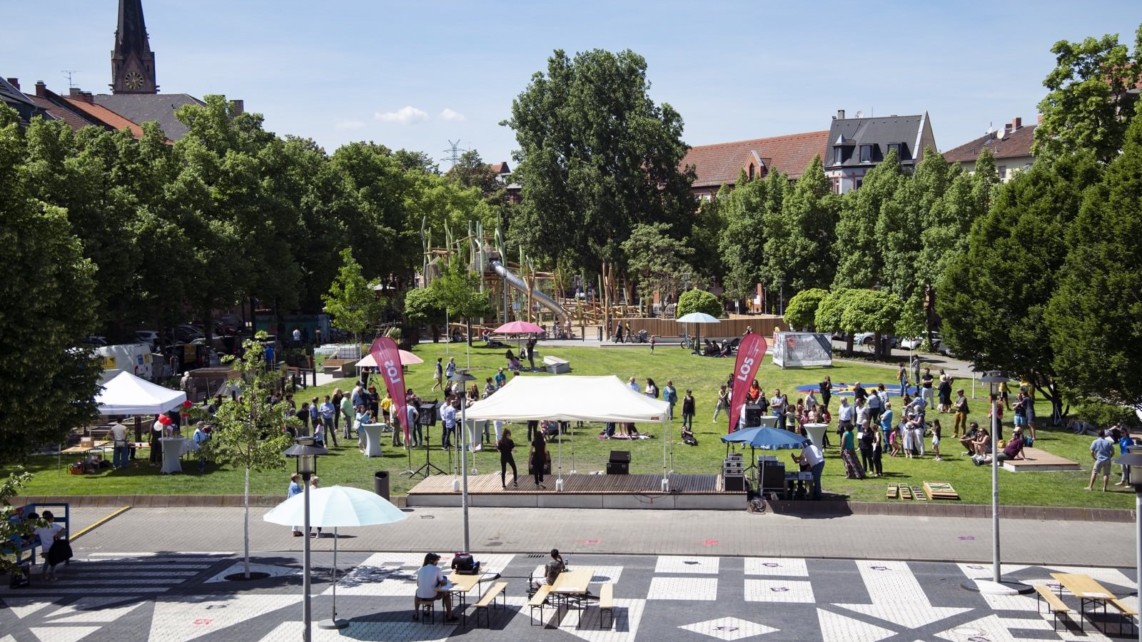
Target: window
x=894, y=147
x=837, y=155
x=751, y=171
x=1002, y=172
x=866, y=153
x=860, y=181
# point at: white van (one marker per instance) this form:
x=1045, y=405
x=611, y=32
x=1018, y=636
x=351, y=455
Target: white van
x=130, y=357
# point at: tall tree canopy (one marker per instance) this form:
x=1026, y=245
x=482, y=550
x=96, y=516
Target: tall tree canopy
x=597, y=156
x=1095, y=316
x=1089, y=103
x=800, y=237
x=47, y=384
x=859, y=251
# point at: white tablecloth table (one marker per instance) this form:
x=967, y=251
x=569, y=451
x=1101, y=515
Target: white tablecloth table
x=173, y=449
x=372, y=439
x=816, y=433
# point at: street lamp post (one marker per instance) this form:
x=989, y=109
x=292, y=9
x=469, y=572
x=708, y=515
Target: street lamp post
x=995, y=585
x=463, y=378
x=306, y=454
x=1134, y=460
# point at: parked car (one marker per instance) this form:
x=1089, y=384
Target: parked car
x=912, y=343
x=186, y=333
x=94, y=340
x=150, y=337
x=867, y=339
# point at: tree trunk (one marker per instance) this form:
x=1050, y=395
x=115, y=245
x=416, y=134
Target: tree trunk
x=246, y=525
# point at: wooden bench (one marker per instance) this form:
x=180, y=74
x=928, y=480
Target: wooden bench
x=489, y=600
x=607, y=603
x=537, y=601
x=1126, y=609
x=1055, y=604
x=332, y=366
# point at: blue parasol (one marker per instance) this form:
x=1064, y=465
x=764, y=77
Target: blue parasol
x=767, y=438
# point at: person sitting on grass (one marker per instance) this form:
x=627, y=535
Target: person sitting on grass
x=1013, y=449
x=968, y=440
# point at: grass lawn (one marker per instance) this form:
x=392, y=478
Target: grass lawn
x=584, y=452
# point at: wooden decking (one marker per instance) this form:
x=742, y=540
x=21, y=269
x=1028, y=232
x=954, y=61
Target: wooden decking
x=580, y=491
x=1036, y=460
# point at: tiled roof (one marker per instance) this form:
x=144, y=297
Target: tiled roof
x=9, y=94
x=879, y=132
x=721, y=163
x=142, y=108
x=69, y=116
x=104, y=115
x=1017, y=144
x=501, y=168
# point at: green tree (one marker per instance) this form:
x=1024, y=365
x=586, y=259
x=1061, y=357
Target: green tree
x=657, y=260
x=596, y=157
x=830, y=314
x=703, y=243
x=859, y=251
x=742, y=243
x=471, y=171
x=801, y=234
x=1095, y=315
x=249, y=431
x=458, y=292
x=994, y=296
x=696, y=300
x=876, y=311
x=421, y=307
x=801, y=313
x=350, y=301
x=48, y=384
x=1090, y=100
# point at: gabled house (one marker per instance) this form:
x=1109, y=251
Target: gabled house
x=856, y=145
x=1010, y=146
x=11, y=96
x=722, y=163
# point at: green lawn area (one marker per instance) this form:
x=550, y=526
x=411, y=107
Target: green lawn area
x=584, y=452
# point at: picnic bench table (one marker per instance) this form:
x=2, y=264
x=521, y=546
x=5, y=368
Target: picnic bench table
x=1086, y=589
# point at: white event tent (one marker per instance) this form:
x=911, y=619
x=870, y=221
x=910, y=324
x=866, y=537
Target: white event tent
x=127, y=394
x=569, y=398
x=573, y=398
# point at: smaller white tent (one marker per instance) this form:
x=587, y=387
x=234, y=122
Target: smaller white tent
x=569, y=398
x=127, y=394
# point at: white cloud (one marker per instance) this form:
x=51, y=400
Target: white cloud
x=405, y=115
x=348, y=124
x=451, y=114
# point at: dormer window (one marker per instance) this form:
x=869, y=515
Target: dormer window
x=866, y=153
x=894, y=147
x=751, y=172
x=837, y=155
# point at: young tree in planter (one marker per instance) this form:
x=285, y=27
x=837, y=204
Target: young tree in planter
x=250, y=431
x=350, y=300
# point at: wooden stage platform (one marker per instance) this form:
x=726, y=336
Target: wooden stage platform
x=582, y=491
x=1035, y=460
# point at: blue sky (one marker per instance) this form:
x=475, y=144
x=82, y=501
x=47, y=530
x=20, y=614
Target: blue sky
x=418, y=74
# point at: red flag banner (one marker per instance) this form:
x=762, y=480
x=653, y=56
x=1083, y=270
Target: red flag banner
x=751, y=351
x=387, y=355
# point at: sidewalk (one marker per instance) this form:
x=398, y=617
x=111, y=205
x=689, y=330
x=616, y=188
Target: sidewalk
x=650, y=532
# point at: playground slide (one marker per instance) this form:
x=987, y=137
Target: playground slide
x=519, y=284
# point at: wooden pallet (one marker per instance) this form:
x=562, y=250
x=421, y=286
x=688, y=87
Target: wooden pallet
x=905, y=492
x=918, y=494
x=892, y=492
x=940, y=490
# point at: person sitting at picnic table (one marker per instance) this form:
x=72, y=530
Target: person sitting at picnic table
x=431, y=585
x=553, y=568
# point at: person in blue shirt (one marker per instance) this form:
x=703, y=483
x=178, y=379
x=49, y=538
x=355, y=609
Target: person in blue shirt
x=1101, y=451
x=1125, y=443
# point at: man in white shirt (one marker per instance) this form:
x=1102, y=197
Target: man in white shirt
x=431, y=585
x=448, y=418
x=812, y=457
x=121, y=452
x=844, y=417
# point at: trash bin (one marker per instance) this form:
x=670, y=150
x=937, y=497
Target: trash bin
x=381, y=483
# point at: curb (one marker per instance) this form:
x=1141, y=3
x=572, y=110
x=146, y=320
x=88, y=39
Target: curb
x=828, y=508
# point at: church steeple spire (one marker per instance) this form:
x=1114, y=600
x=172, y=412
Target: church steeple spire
x=132, y=62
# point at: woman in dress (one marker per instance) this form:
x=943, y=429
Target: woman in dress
x=853, y=469
x=505, y=446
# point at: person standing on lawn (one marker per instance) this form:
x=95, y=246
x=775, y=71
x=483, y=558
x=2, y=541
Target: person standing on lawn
x=670, y=396
x=688, y=404
x=1101, y=451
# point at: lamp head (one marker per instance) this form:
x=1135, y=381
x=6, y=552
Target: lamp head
x=461, y=376
x=306, y=454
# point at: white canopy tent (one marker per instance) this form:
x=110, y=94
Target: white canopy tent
x=573, y=398
x=569, y=398
x=127, y=394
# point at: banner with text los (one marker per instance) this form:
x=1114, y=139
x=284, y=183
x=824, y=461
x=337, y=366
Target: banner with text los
x=387, y=355
x=751, y=351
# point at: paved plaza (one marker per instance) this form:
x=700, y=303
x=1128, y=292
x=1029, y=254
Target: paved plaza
x=159, y=574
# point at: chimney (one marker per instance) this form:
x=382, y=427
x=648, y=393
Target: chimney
x=840, y=114
x=15, y=82
x=41, y=89
x=76, y=93
x=1018, y=123
x=237, y=107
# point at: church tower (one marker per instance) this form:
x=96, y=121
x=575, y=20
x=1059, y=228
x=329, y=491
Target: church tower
x=132, y=62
